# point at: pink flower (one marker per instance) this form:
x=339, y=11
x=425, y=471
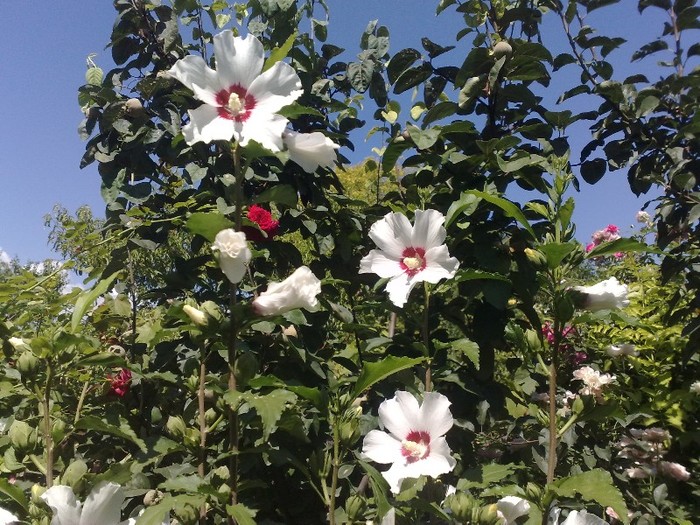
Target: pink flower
x=593, y=381
x=674, y=470
x=612, y=229
x=119, y=385
x=590, y=246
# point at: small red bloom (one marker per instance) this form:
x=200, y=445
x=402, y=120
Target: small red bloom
x=119, y=385
x=265, y=222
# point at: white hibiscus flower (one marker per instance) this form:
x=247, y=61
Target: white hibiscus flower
x=233, y=253
x=240, y=101
x=7, y=518
x=415, y=443
x=310, y=150
x=409, y=254
x=299, y=290
x=605, y=295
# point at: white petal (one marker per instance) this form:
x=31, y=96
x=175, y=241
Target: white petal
x=400, y=415
x=392, y=234
x=390, y=517
x=582, y=518
x=207, y=126
x=193, y=71
x=310, y=150
x=264, y=128
x=435, y=414
x=439, y=447
x=434, y=465
x=438, y=265
x=233, y=268
x=376, y=261
x=511, y=508
x=399, y=287
x=427, y=230
x=381, y=447
x=277, y=87
x=394, y=476
x=65, y=507
x=103, y=505
x=238, y=60
x=6, y=517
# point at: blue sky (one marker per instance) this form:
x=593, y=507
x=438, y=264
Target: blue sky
x=42, y=64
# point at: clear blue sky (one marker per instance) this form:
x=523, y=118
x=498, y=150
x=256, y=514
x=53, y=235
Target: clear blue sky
x=42, y=64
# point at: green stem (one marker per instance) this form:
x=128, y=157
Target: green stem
x=48, y=440
x=426, y=339
x=335, y=469
x=202, y=429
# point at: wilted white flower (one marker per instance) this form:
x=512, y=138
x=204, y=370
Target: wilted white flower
x=593, y=381
x=234, y=254
x=511, y=508
x=409, y=254
x=102, y=506
x=240, y=101
x=299, y=290
x=674, y=470
x=310, y=150
x=605, y=295
x=695, y=387
x=415, y=443
x=197, y=316
x=625, y=349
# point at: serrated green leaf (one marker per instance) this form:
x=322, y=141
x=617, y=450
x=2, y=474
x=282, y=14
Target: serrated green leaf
x=374, y=372
x=120, y=429
x=207, y=224
x=94, y=76
x=158, y=514
x=270, y=408
x=555, y=252
x=470, y=350
x=593, y=485
x=623, y=245
x=242, y=514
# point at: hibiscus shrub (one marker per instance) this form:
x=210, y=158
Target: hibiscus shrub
x=269, y=339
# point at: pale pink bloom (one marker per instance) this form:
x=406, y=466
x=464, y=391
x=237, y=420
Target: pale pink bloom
x=409, y=254
x=674, y=470
x=643, y=217
x=310, y=150
x=240, y=101
x=510, y=508
x=605, y=295
x=637, y=473
x=7, y=518
x=233, y=253
x=593, y=381
x=102, y=506
x=590, y=246
x=625, y=349
x=415, y=443
x=653, y=434
x=299, y=290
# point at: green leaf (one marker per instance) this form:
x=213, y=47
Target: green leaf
x=242, y=514
x=475, y=275
x=621, y=245
x=510, y=209
x=295, y=110
x=280, y=194
x=556, y=252
x=379, y=488
x=593, y=485
x=470, y=350
x=280, y=53
x=374, y=372
x=466, y=205
x=94, y=76
x=593, y=170
x=87, y=299
x=270, y=408
x=207, y=224
x=400, y=62
x=423, y=139
x=13, y=492
x=120, y=429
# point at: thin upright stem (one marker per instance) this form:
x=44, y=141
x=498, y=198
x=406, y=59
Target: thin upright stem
x=426, y=340
x=202, y=429
x=48, y=439
x=335, y=469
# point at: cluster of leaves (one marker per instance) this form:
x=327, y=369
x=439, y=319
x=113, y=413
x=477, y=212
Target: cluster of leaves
x=245, y=419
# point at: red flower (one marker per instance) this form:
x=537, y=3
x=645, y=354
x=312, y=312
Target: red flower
x=265, y=222
x=119, y=385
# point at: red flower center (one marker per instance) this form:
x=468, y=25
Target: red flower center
x=416, y=446
x=412, y=260
x=235, y=103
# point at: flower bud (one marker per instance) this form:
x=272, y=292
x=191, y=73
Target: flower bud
x=197, y=316
x=176, y=426
x=27, y=363
x=489, y=514
x=462, y=505
x=355, y=508
x=37, y=491
x=536, y=258
x=58, y=430
x=501, y=49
